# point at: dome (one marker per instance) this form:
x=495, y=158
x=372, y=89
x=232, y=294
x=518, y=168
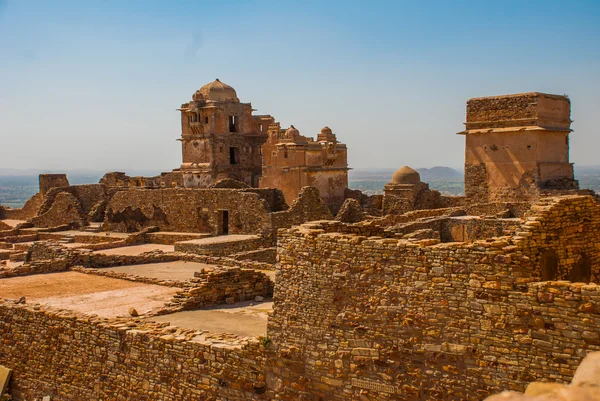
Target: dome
x=406, y=175
x=218, y=91
x=292, y=132
x=326, y=131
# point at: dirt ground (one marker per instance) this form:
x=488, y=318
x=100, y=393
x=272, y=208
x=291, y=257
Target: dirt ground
x=87, y=293
x=137, y=249
x=245, y=319
x=13, y=223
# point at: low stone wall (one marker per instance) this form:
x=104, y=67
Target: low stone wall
x=99, y=260
x=9, y=233
x=224, y=248
x=5, y=254
x=265, y=255
x=218, y=286
x=45, y=250
x=37, y=267
x=76, y=357
x=13, y=239
x=227, y=261
x=79, y=238
x=166, y=238
x=308, y=206
x=129, y=277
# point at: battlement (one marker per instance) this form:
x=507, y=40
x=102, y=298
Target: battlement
x=551, y=112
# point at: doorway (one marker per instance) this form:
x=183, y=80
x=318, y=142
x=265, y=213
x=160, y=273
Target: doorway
x=224, y=222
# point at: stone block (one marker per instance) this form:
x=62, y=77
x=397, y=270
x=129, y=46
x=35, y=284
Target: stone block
x=4, y=378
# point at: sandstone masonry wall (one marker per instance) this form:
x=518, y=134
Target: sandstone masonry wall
x=74, y=357
x=187, y=210
x=222, y=248
x=30, y=209
x=390, y=319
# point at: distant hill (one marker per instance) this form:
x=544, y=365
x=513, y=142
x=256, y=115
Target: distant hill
x=439, y=173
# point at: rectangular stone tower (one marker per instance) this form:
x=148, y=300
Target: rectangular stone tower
x=517, y=146
x=220, y=138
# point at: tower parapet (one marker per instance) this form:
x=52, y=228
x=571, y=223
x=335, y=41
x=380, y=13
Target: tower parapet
x=517, y=146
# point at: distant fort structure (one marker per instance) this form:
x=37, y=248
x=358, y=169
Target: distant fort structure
x=405, y=295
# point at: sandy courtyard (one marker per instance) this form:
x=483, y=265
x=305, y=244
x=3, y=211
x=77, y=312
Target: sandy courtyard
x=87, y=293
x=245, y=319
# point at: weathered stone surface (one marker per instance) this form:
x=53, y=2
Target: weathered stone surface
x=4, y=378
x=460, y=319
x=65, y=209
x=588, y=372
x=350, y=212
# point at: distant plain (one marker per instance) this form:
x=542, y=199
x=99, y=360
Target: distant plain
x=16, y=186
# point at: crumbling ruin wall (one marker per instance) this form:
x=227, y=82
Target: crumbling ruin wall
x=224, y=285
x=471, y=228
x=273, y=196
x=308, y=206
x=118, y=179
x=29, y=210
x=65, y=209
x=562, y=238
x=36, y=267
x=187, y=210
x=391, y=319
x=90, y=196
x=350, y=212
x=76, y=357
x=49, y=181
x=371, y=204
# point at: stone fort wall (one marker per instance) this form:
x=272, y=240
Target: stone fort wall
x=187, y=210
x=74, y=357
x=383, y=318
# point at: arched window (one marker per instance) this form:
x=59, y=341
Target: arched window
x=582, y=271
x=549, y=265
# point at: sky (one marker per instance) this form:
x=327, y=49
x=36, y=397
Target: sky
x=96, y=84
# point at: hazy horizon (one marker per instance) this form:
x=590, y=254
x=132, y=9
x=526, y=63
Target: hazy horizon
x=95, y=86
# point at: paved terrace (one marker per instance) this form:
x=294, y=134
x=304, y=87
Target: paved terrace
x=178, y=270
x=245, y=319
x=89, y=294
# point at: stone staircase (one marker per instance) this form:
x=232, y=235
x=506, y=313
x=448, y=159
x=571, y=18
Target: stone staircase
x=93, y=228
x=66, y=240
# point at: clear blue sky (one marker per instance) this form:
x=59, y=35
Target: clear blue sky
x=95, y=84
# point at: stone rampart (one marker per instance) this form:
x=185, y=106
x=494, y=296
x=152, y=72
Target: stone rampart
x=74, y=357
x=392, y=319
x=187, y=210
